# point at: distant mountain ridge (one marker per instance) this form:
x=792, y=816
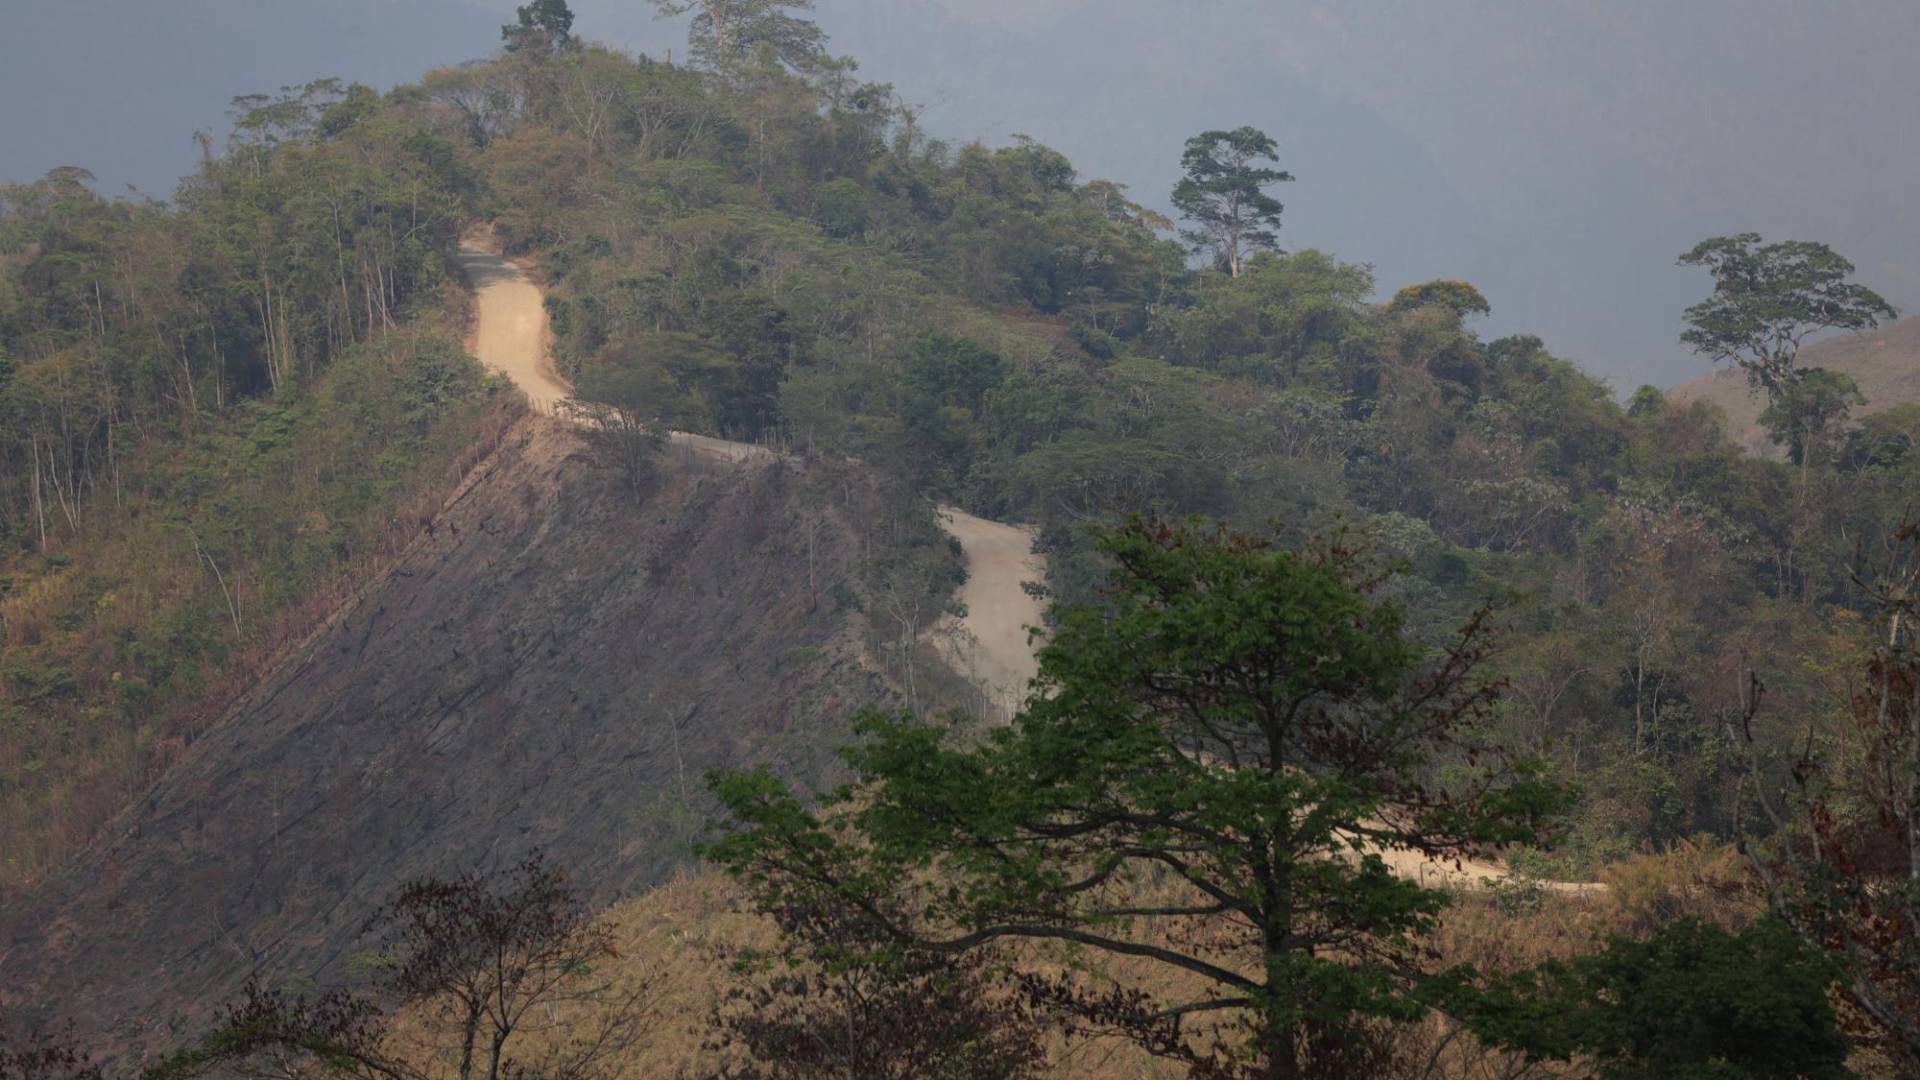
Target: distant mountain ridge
x=1885, y=362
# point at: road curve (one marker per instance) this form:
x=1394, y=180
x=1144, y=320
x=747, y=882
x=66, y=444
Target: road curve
x=989, y=646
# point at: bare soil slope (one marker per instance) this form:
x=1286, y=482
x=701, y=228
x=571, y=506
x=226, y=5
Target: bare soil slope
x=554, y=663
x=1885, y=362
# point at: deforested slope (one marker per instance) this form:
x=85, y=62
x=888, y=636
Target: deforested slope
x=554, y=663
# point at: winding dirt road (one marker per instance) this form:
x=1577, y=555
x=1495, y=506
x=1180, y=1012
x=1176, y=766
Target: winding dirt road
x=989, y=646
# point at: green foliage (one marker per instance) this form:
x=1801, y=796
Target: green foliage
x=1693, y=1002
x=1806, y=414
x=121, y=644
x=326, y=220
x=773, y=248
x=1459, y=297
x=947, y=384
x=724, y=32
x=1884, y=440
x=1218, y=755
x=636, y=394
x=1224, y=194
x=842, y=208
x=1767, y=298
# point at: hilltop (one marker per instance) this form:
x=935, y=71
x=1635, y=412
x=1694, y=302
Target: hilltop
x=805, y=331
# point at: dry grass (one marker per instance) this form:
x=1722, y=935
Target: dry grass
x=678, y=935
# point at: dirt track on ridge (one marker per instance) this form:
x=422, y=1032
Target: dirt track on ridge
x=991, y=648
x=510, y=328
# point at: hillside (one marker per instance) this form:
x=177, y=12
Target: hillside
x=554, y=664
x=1885, y=362
x=1330, y=572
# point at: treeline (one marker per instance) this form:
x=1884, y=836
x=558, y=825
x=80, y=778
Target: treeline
x=765, y=246
x=1175, y=857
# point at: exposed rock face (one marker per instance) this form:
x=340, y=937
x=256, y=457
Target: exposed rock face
x=555, y=663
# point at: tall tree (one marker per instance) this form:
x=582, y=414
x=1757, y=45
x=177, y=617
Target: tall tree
x=542, y=26
x=1206, y=777
x=1768, y=299
x=1224, y=194
x=728, y=31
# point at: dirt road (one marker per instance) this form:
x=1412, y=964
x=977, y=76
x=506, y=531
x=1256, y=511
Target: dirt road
x=510, y=324
x=990, y=647
x=1472, y=874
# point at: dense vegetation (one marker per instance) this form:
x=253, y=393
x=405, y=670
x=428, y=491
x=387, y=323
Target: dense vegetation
x=766, y=247
x=214, y=417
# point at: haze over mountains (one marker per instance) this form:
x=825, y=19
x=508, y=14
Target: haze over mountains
x=1643, y=126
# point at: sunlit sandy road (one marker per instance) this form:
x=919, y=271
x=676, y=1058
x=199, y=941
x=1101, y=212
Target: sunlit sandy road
x=993, y=646
x=509, y=332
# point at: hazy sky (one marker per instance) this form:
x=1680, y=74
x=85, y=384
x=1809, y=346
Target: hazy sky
x=1559, y=154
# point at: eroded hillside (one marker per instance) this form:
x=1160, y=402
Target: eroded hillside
x=554, y=663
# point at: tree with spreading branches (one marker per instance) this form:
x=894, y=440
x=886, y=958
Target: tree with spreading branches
x=725, y=32
x=1768, y=299
x=539, y=26
x=1206, y=777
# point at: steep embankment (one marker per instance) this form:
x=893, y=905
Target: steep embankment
x=554, y=663
x=989, y=645
x=1884, y=362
